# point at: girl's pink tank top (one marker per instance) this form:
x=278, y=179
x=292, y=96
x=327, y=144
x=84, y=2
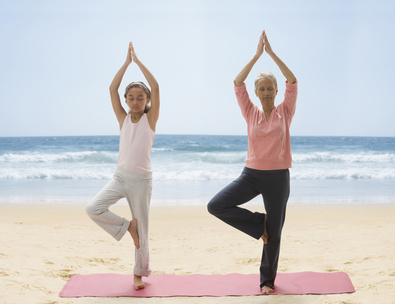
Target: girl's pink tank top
x=135, y=145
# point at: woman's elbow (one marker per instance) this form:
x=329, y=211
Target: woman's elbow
x=238, y=83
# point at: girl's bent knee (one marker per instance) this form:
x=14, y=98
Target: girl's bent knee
x=91, y=210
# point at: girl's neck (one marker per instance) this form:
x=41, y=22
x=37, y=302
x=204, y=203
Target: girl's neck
x=135, y=117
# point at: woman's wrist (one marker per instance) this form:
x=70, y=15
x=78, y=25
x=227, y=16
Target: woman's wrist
x=271, y=54
x=257, y=55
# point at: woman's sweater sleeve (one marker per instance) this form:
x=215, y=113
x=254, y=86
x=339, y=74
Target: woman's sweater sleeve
x=244, y=100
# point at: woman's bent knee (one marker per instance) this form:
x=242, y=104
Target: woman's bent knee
x=212, y=207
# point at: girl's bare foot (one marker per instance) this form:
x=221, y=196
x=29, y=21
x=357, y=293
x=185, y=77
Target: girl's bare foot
x=138, y=282
x=267, y=290
x=134, y=233
x=264, y=236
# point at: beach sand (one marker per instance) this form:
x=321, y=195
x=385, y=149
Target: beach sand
x=42, y=246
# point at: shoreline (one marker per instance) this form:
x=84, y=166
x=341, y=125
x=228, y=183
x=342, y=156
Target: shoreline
x=44, y=245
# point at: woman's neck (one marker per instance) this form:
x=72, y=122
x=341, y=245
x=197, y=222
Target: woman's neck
x=267, y=109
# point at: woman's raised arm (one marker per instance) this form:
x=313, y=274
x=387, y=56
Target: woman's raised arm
x=239, y=80
x=284, y=69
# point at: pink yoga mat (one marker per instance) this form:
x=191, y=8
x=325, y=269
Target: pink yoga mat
x=198, y=285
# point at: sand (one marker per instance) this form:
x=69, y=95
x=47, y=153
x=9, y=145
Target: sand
x=42, y=246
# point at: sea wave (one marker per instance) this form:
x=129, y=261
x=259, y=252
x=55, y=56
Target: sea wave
x=191, y=174
x=68, y=157
x=331, y=157
x=343, y=174
x=169, y=163
x=54, y=174
x=203, y=157
x=217, y=157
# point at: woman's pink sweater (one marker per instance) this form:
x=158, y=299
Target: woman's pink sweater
x=269, y=143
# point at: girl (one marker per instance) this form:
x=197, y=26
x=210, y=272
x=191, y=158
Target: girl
x=268, y=159
x=133, y=177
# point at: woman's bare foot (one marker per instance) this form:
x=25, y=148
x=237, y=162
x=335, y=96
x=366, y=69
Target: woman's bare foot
x=264, y=236
x=138, y=283
x=134, y=233
x=267, y=290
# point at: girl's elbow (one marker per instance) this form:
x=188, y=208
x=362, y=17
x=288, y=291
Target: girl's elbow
x=155, y=87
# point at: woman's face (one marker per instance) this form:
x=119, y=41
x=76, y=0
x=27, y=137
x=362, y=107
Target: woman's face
x=266, y=91
x=136, y=99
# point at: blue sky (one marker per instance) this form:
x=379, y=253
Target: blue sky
x=57, y=60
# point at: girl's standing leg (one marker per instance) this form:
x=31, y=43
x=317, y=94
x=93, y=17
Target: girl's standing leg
x=138, y=195
x=275, y=194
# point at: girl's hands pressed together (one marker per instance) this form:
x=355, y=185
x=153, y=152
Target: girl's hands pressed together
x=133, y=53
x=129, y=57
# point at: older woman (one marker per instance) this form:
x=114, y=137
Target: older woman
x=268, y=160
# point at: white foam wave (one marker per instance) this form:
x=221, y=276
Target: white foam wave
x=55, y=174
x=195, y=175
x=169, y=154
x=321, y=157
x=191, y=174
x=197, y=158
x=343, y=174
x=83, y=156
x=158, y=150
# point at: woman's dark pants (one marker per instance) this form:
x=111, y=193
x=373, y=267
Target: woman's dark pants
x=274, y=187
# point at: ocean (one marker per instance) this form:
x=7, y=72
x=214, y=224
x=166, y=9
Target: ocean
x=190, y=169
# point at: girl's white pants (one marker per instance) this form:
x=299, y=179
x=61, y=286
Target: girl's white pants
x=137, y=189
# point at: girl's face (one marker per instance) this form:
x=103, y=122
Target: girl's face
x=136, y=99
x=266, y=91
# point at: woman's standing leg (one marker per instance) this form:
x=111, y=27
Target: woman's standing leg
x=275, y=194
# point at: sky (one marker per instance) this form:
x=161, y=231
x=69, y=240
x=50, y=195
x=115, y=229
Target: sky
x=58, y=58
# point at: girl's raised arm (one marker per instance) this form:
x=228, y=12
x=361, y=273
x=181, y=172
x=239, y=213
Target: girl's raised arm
x=153, y=113
x=119, y=111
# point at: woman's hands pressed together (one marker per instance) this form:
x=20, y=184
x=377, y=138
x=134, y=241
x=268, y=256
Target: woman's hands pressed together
x=267, y=45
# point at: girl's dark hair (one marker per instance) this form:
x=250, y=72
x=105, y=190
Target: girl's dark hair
x=140, y=85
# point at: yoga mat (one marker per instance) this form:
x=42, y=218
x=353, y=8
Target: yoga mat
x=198, y=285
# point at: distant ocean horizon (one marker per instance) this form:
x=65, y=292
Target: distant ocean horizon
x=190, y=169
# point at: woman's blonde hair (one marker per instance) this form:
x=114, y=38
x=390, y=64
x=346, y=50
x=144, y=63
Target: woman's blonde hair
x=266, y=75
x=140, y=85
